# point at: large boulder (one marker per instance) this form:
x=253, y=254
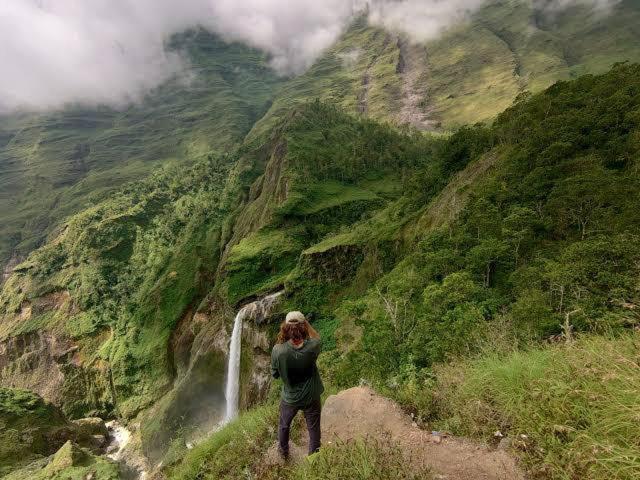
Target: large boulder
x=69, y=455
x=30, y=428
x=87, y=427
x=70, y=462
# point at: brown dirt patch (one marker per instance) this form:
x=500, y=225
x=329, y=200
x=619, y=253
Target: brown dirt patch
x=360, y=413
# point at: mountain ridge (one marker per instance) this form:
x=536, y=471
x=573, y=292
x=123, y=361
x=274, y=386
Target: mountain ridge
x=470, y=74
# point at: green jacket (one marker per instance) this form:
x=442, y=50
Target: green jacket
x=298, y=370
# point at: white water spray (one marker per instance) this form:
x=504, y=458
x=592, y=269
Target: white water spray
x=133, y=463
x=257, y=311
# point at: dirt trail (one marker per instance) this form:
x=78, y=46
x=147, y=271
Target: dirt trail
x=360, y=413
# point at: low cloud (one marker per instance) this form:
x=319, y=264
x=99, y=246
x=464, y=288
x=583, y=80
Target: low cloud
x=87, y=51
x=295, y=33
x=57, y=52
x=557, y=5
x=422, y=19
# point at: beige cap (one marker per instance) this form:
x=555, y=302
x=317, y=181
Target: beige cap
x=295, y=317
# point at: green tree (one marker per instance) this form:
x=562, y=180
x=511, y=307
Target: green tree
x=585, y=200
x=485, y=256
x=518, y=228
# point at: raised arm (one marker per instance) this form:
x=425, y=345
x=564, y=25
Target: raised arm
x=312, y=331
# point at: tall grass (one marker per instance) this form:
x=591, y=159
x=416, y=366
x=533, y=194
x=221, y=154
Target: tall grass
x=572, y=411
x=230, y=452
x=355, y=460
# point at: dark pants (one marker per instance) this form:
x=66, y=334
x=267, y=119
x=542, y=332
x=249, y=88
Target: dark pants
x=312, y=417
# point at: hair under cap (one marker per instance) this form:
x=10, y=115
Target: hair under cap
x=295, y=317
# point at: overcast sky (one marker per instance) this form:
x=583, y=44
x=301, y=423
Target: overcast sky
x=53, y=52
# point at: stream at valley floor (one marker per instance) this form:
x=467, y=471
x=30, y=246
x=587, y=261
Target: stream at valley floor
x=133, y=465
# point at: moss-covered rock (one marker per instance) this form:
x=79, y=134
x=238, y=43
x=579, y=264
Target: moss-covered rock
x=69, y=455
x=29, y=428
x=91, y=426
x=70, y=462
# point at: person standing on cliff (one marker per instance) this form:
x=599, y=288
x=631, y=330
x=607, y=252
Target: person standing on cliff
x=293, y=359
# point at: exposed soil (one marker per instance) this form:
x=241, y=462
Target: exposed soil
x=361, y=413
x=412, y=64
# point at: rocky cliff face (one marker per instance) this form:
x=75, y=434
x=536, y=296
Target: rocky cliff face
x=52, y=366
x=34, y=361
x=199, y=348
x=8, y=268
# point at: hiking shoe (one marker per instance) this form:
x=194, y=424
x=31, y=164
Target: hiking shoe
x=284, y=455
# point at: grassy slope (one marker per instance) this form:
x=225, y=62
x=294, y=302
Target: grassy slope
x=55, y=164
x=238, y=449
x=336, y=169
x=568, y=409
x=476, y=71
x=338, y=77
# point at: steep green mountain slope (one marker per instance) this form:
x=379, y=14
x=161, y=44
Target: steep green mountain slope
x=475, y=72
x=472, y=72
x=56, y=164
x=542, y=215
x=118, y=277
x=110, y=288
x=405, y=250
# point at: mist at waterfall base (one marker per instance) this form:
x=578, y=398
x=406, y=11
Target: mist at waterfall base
x=255, y=311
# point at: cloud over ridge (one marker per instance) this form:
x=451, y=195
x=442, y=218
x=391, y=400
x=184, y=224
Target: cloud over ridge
x=56, y=52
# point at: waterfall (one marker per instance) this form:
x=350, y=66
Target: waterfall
x=233, y=368
x=257, y=311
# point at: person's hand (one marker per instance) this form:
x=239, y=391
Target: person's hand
x=312, y=332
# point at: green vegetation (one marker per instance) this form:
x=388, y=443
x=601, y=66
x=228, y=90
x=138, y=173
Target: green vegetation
x=231, y=452
x=56, y=164
x=238, y=450
x=528, y=228
x=476, y=70
x=29, y=428
x=130, y=265
x=569, y=409
x=472, y=72
x=547, y=237
x=338, y=77
x=336, y=169
x=53, y=165
x=358, y=460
